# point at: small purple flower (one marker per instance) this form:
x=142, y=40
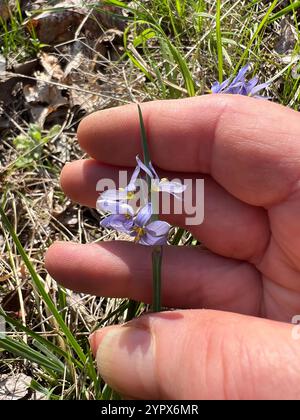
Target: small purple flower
x=239, y=85
x=140, y=227
x=114, y=206
x=108, y=197
x=115, y=200
x=146, y=232
x=120, y=222
x=122, y=217
x=164, y=185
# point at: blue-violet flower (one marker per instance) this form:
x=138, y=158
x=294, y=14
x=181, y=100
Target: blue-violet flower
x=141, y=225
x=239, y=85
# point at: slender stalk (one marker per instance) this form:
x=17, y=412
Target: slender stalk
x=157, y=250
x=37, y=282
x=146, y=154
x=260, y=27
x=219, y=41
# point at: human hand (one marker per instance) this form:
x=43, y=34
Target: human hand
x=249, y=151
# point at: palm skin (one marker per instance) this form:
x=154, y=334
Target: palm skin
x=248, y=151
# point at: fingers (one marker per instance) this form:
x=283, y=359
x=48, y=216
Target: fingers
x=231, y=228
x=191, y=278
x=250, y=147
x=215, y=355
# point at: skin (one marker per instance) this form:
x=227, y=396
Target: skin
x=241, y=346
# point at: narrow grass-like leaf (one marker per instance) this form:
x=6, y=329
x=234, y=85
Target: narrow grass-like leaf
x=157, y=251
x=291, y=8
x=260, y=27
x=40, y=288
x=219, y=41
x=133, y=307
x=43, y=349
x=177, y=237
x=189, y=83
x=179, y=60
x=146, y=153
x=132, y=57
x=40, y=339
x=118, y=3
x=23, y=350
x=172, y=21
x=109, y=394
x=47, y=392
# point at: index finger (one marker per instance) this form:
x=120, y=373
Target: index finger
x=251, y=147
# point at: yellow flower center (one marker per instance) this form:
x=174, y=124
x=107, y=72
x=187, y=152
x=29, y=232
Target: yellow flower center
x=155, y=186
x=130, y=195
x=139, y=233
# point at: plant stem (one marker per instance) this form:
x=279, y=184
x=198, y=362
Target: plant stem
x=157, y=250
x=219, y=41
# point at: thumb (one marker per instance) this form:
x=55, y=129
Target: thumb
x=199, y=355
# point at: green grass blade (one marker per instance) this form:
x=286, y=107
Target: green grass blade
x=260, y=27
x=40, y=288
x=291, y=8
x=40, y=339
x=179, y=60
x=39, y=388
x=43, y=349
x=146, y=153
x=23, y=350
x=188, y=79
x=219, y=41
x=178, y=235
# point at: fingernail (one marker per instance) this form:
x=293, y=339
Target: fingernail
x=93, y=343
x=96, y=338
x=125, y=358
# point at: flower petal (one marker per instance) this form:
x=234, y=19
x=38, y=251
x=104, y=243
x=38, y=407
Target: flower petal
x=132, y=183
x=258, y=88
x=216, y=87
x=239, y=85
x=144, y=167
x=143, y=215
x=158, y=228
x=219, y=87
x=115, y=207
x=251, y=84
x=156, y=233
x=149, y=240
x=243, y=91
x=234, y=89
x=113, y=195
x=172, y=187
x=118, y=222
x=153, y=170
x=240, y=77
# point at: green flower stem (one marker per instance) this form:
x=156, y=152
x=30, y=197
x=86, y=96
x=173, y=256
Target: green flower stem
x=157, y=250
x=145, y=148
